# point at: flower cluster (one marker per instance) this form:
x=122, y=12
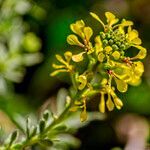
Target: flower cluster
x=109, y=64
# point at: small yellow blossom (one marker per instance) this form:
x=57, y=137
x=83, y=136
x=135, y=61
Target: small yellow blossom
x=107, y=66
x=102, y=103
x=80, y=29
x=65, y=64
x=78, y=57
x=109, y=103
x=98, y=44
x=82, y=79
x=73, y=40
x=83, y=115
x=111, y=19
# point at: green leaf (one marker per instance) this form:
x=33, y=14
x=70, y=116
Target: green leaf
x=42, y=125
x=46, y=142
x=61, y=127
x=46, y=115
x=13, y=137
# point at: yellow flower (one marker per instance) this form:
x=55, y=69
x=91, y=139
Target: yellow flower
x=125, y=74
x=65, y=67
x=118, y=103
x=97, y=18
x=136, y=73
x=111, y=101
x=78, y=57
x=126, y=23
x=102, y=103
x=134, y=40
x=122, y=86
x=98, y=45
x=132, y=36
x=80, y=29
x=111, y=19
x=83, y=115
x=73, y=40
x=82, y=79
x=142, y=53
x=85, y=33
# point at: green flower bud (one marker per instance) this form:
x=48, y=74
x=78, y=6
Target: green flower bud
x=102, y=34
x=108, y=36
x=127, y=45
x=118, y=43
x=123, y=47
x=107, y=66
x=115, y=47
x=105, y=42
x=111, y=41
x=115, y=39
x=122, y=53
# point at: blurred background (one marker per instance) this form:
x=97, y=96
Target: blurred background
x=32, y=32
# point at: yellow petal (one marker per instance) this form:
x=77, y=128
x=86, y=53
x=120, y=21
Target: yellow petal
x=83, y=116
x=73, y=40
x=98, y=44
x=121, y=29
x=118, y=103
x=60, y=59
x=133, y=34
x=80, y=23
x=88, y=33
x=129, y=29
x=102, y=103
x=78, y=28
x=98, y=41
x=137, y=41
x=58, y=66
x=68, y=56
x=139, y=68
x=57, y=72
x=142, y=53
x=78, y=57
x=109, y=103
x=97, y=18
x=111, y=18
x=135, y=81
x=121, y=85
x=83, y=81
x=126, y=23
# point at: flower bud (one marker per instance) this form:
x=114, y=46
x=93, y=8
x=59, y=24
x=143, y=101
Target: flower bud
x=105, y=42
x=102, y=34
x=115, y=47
x=111, y=41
